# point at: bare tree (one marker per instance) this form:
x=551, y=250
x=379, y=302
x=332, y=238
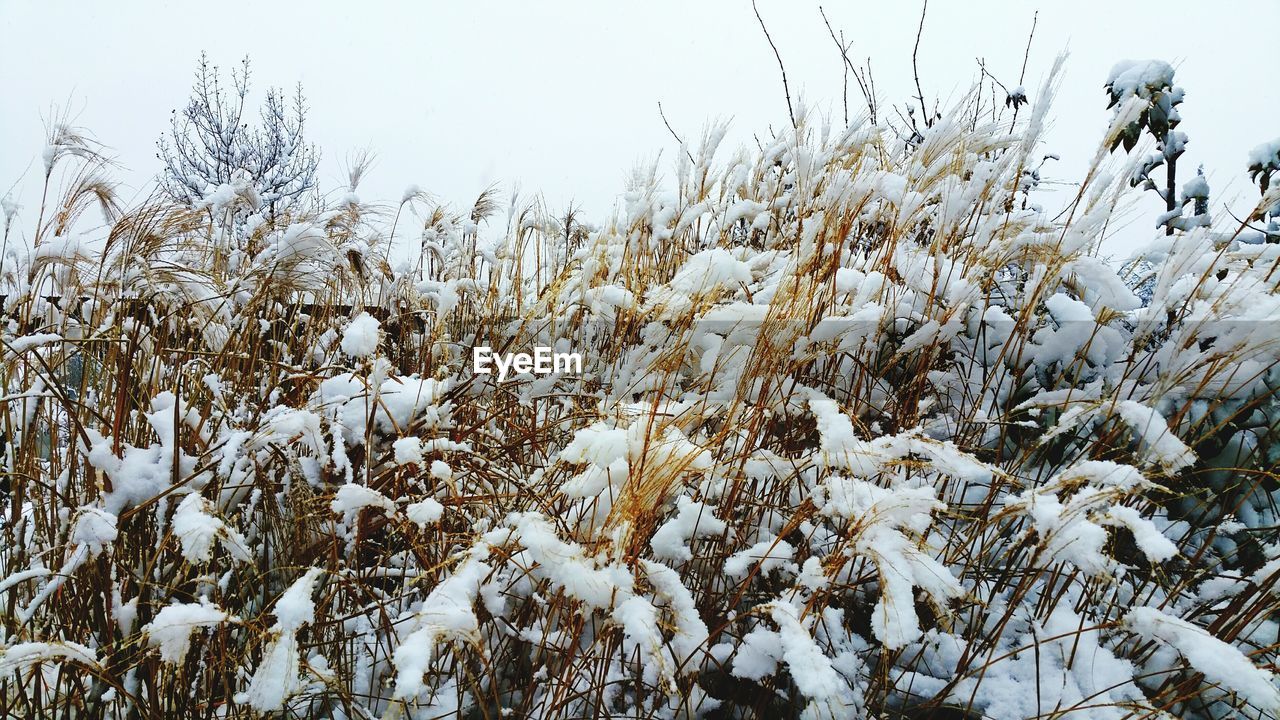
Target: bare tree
x=211, y=141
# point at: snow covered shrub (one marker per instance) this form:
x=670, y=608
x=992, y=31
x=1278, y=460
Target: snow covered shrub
x=1146, y=88
x=1264, y=161
x=210, y=144
x=861, y=433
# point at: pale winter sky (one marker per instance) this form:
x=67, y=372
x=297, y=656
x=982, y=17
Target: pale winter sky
x=562, y=97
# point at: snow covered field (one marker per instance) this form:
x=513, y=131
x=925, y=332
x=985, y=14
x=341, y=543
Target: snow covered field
x=861, y=431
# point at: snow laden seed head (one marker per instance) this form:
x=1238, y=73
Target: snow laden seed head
x=862, y=431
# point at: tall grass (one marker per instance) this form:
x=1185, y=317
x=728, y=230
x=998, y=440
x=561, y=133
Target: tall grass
x=862, y=433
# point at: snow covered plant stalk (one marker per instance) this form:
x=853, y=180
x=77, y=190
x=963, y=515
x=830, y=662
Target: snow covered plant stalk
x=277, y=676
x=862, y=432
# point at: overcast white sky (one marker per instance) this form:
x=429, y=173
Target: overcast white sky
x=561, y=97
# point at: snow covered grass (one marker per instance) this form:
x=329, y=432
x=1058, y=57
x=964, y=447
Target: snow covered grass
x=862, y=432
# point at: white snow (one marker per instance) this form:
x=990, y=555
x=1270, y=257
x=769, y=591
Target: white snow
x=424, y=513
x=1150, y=540
x=141, y=474
x=599, y=444
x=360, y=338
x=197, y=529
x=276, y=677
x=295, y=607
x=688, y=631
x=297, y=244
x=95, y=529
x=758, y=654
x=447, y=613
x=349, y=399
x=407, y=451
x=566, y=565
x=24, y=655
x=1220, y=662
x=693, y=519
x=769, y=555
x=1065, y=531
x=170, y=630
x=1139, y=77
x=1266, y=155
x=28, y=342
x=884, y=515
x=708, y=270
x=440, y=470
x=1160, y=444
x=351, y=498
x=864, y=421
x=810, y=667
x=1196, y=187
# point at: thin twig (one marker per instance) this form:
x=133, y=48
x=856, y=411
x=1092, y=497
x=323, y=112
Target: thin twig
x=1022, y=75
x=982, y=67
x=915, y=66
x=673, y=133
x=844, y=55
x=844, y=78
x=786, y=89
x=1025, y=56
x=870, y=79
x=868, y=92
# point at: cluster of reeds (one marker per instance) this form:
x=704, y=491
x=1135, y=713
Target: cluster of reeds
x=861, y=432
